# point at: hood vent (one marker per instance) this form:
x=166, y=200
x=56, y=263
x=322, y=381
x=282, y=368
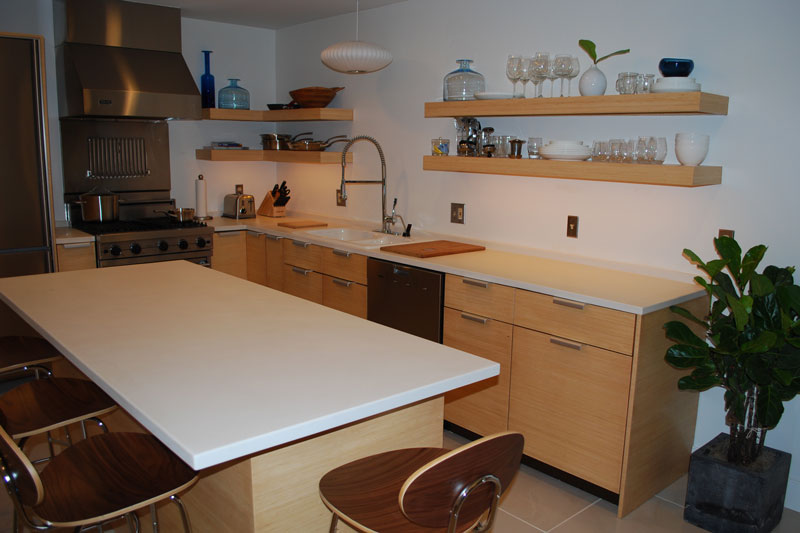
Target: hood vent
x=123, y=59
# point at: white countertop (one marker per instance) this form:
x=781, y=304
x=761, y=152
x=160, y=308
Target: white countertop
x=218, y=367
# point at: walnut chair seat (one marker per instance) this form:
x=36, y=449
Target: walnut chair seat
x=18, y=353
x=417, y=490
x=103, y=477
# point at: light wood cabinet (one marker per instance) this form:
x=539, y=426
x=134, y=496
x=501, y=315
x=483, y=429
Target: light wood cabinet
x=274, y=262
x=303, y=283
x=230, y=253
x=479, y=297
x=344, y=295
x=256, y=245
x=345, y=265
x=302, y=254
x=75, y=256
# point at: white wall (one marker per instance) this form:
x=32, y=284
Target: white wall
x=741, y=49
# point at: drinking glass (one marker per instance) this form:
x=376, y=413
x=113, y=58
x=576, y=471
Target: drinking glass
x=661, y=150
x=575, y=69
x=525, y=72
x=615, y=150
x=541, y=65
x=551, y=75
x=513, y=72
x=652, y=148
x=534, y=144
x=562, y=65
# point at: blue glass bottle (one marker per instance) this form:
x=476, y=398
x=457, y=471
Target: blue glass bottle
x=207, y=91
x=233, y=96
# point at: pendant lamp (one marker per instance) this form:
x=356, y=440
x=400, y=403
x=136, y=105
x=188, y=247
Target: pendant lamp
x=355, y=57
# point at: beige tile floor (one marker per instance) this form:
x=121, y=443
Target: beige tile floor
x=537, y=503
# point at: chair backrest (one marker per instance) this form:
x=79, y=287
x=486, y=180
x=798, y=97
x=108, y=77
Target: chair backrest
x=20, y=474
x=430, y=493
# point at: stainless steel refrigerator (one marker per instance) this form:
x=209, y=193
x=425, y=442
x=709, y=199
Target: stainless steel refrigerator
x=26, y=231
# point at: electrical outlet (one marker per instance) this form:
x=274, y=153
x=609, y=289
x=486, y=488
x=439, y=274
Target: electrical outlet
x=572, y=226
x=340, y=202
x=457, y=213
x=726, y=233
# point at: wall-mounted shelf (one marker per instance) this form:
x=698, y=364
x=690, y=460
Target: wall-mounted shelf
x=278, y=156
x=689, y=103
x=674, y=175
x=281, y=115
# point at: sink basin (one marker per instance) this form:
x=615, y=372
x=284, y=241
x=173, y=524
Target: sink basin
x=360, y=238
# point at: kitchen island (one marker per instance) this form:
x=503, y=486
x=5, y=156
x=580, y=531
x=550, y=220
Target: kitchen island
x=260, y=391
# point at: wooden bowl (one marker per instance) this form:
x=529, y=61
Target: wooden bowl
x=314, y=96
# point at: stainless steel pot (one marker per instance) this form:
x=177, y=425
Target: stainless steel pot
x=279, y=141
x=311, y=145
x=99, y=206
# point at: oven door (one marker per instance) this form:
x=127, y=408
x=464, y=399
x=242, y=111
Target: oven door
x=200, y=257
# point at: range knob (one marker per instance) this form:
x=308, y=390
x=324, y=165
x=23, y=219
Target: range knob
x=201, y=242
x=163, y=245
x=115, y=250
x=182, y=244
x=136, y=248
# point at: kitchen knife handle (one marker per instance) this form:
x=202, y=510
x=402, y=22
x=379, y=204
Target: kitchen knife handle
x=565, y=344
x=342, y=282
x=301, y=244
x=273, y=237
x=475, y=283
x=478, y=319
x=303, y=271
x=568, y=303
x=342, y=253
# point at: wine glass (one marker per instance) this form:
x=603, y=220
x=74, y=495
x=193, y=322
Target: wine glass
x=541, y=66
x=525, y=72
x=562, y=65
x=551, y=75
x=575, y=69
x=513, y=72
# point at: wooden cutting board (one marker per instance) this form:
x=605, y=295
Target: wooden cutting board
x=432, y=248
x=297, y=224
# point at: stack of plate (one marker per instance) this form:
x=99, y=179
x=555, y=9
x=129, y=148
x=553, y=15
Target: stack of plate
x=566, y=150
x=675, y=85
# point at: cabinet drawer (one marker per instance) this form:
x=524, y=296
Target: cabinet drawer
x=344, y=265
x=303, y=283
x=302, y=254
x=585, y=323
x=344, y=295
x=76, y=256
x=481, y=407
x=571, y=403
x=256, y=257
x=230, y=253
x=479, y=297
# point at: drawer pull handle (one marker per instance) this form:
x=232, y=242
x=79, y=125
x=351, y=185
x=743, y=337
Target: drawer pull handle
x=227, y=233
x=77, y=245
x=342, y=282
x=273, y=237
x=565, y=344
x=254, y=233
x=567, y=303
x=478, y=319
x=301, y=244
x=303, y=271
x=475, y=283
x=342, y=253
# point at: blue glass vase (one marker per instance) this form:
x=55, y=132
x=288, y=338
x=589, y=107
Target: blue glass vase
x=233, y=96
x=207, y=92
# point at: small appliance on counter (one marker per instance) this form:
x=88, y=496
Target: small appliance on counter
x=239, y=205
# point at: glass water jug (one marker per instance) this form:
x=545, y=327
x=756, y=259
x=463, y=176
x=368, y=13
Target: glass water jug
x=463, y=83
x=233, y=96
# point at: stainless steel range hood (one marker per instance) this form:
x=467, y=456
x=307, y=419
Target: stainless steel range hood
x=123, y=59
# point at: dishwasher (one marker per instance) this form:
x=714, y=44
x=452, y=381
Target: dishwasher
x=406, y=298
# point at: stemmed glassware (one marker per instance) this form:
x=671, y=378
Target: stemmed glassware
x=513, y=72
x=525, y=72
x=562, y=66
x=551, y=75
x=575, y=69
x=540, y=64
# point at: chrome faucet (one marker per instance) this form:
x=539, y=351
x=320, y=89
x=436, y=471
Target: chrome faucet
x=387, y=221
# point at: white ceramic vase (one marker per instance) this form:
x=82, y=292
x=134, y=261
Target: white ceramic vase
x=593, y=82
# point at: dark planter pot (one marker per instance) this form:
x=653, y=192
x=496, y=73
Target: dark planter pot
x=723, y=497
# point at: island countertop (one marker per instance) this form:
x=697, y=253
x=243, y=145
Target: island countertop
x=219, y=368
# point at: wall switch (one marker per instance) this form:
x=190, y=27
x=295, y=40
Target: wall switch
x=726, y=233
x=572, y=226
x=341, y=202
x=457, y=213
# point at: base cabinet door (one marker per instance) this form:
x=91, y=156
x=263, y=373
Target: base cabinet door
x=570, y=400
x=256, y=257
x=303, y=283
x=481, y=407
x=274, y=262
x=344, y=295
x=76, y=256
x=230, y=253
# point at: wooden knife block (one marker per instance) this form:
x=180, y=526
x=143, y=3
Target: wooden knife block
x=268, y=209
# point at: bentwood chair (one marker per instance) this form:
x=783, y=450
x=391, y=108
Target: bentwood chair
x=432, y=490
x=20, y=354
x=107, y=476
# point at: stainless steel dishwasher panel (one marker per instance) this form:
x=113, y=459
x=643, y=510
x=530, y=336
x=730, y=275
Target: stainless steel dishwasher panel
x=406, y=298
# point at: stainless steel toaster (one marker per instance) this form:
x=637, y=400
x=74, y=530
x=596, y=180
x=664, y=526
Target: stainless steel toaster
x=239, y=205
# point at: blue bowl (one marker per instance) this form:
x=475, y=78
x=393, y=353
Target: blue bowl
x=671, y=67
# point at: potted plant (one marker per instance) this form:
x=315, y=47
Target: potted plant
x=751, y=348
x=593, y=81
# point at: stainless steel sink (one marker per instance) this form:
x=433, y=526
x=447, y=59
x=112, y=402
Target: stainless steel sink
x=360, y=238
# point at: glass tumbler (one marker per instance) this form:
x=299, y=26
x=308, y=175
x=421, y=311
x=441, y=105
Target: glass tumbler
x=644, y=83
x=534, y=144
x=440, y=146
x=626, y=82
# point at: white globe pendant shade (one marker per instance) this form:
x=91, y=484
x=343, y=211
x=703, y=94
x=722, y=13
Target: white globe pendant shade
x=355, y=57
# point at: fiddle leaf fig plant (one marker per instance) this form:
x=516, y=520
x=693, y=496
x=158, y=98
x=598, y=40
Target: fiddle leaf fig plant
x=751, y=346
x=590, y=48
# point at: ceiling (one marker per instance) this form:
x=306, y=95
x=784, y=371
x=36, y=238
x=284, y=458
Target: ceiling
x=272, y=14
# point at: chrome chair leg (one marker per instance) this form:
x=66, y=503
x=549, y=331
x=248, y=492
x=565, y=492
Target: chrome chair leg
x=154, y=517
x=133, y=522
x=334, y=523
x=187, y=527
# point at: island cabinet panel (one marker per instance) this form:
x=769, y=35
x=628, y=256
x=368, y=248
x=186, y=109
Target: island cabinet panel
x=479, y=297
x=274, y=262
x=257, y=257
x=570, y=401
x=77, y=256
x=230, y=253
x=584, y=323
x=481, y=407
x=302, y=282
x=344, y=295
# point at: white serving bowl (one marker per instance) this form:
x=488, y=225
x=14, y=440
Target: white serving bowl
x=691, y=148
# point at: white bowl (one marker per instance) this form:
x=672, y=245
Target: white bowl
x=675, y=83
x=691, y=148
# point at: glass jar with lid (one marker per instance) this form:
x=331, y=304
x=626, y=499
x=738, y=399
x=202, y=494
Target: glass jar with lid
x=463, y=83
x=233, y=96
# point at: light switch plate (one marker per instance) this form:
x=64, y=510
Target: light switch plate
x=572, y=226
x=457, y=213
x=726, y=233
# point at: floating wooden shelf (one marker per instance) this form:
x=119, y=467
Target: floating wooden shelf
x=282, y=115
x=690, y=103
x=279, y=156
x=674, y=175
